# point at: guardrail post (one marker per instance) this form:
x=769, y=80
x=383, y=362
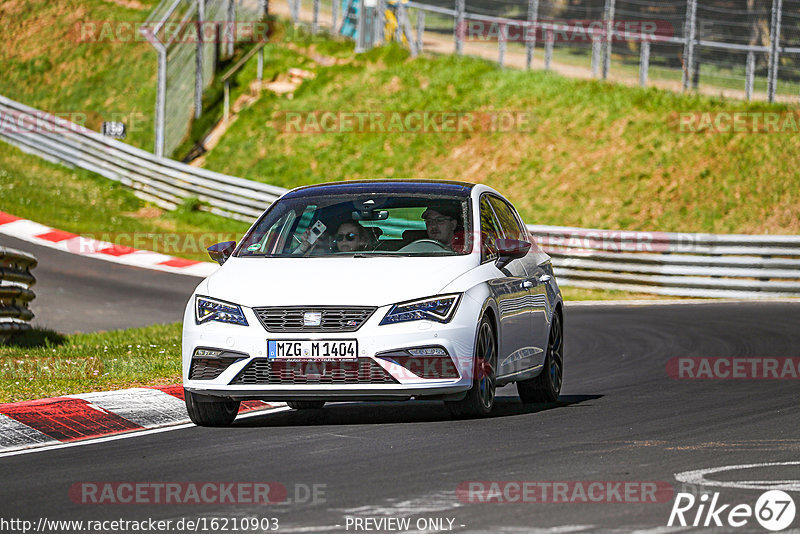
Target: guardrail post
x=597, y=55
x=689, y=36
x=548, y=48
x=774, y=51
x=260, y=67
x=749, y=75
x=644, y=62
x=315, y=19
x=459, y=26
x=420, y=29
x=530, y=40
x=608, y=16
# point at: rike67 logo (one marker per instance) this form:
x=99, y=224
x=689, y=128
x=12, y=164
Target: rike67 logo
x=774, y=510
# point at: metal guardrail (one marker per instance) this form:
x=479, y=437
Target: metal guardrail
x=680, y=264
x=15, y=293
x=162, y=181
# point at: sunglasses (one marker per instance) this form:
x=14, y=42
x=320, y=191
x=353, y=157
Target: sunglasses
x=349, y=237
x=437, y=220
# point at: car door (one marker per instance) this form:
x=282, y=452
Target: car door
x=535, y=338
x=509, y=291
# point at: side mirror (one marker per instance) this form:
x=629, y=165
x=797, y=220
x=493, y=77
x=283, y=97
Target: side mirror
x=510, y=249
x=220, y=252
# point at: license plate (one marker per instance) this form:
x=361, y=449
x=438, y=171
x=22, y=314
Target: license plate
x=340, y=349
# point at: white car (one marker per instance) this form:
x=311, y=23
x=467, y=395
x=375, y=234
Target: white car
x=375, y=290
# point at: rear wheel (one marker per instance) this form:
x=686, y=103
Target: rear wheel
x=480, y=398
x=547, y=386
x=210, y=411
x=306, y=405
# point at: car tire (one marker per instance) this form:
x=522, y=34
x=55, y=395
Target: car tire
x=546, y=387
x=479, y=400
x=305, y=405
x=210, y=411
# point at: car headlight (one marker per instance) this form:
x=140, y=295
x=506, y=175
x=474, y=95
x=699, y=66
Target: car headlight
x=208, y=309
x=440, y=308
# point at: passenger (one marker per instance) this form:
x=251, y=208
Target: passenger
x=352, y=237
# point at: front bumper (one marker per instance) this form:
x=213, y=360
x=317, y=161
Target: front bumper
x=457, y=337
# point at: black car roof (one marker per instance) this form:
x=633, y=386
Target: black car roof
x=430, y=187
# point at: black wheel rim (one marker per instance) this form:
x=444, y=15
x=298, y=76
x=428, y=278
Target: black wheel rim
x=556, y=354
x=485, y=365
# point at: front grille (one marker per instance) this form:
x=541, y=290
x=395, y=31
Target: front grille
x=209, y=368
x=362, y=371
x=334, y=319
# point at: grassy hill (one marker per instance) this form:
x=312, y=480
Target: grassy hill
x=598, y=155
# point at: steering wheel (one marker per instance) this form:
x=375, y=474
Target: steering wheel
x=424, y=245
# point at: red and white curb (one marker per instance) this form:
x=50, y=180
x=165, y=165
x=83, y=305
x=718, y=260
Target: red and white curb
x=71, y=418
x=40, y=234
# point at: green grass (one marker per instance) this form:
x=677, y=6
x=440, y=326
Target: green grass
x=40, y=364
x=44, y=65
x=600, y=155
x=87, y=204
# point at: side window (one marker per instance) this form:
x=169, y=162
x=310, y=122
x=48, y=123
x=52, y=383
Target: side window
x=509, y=223
x=490, y=231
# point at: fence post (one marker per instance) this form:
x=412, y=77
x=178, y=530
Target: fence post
x=380, y=22
x=420, y=29
x=548, y=48
x=501, y=43
x=231, y=21
x=459, y=29
x=644, y=62
x=750, y=71
x=198, y=64
x=315, y=19
x=227, y=104
x=334, y=15
x=260, y=69
x=689, y=36
x=360, y=27
x=161, y=101
x=597, y=53
x=774, y=43
x=608, y=15
x=530, y=42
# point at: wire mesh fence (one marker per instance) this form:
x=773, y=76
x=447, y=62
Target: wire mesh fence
x=190, y=38
x=740, y=48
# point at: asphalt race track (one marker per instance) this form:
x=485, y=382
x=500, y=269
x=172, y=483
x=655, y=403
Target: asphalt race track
x=78, y=294
x=620, y=418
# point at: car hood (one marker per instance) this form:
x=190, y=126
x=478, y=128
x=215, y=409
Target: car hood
x=370, y=281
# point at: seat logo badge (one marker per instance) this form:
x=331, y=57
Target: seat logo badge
x=312, y=318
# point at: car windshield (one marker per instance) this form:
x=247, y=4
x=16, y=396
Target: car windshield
x=361, y=224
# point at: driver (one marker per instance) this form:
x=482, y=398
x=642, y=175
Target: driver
x=441, y=222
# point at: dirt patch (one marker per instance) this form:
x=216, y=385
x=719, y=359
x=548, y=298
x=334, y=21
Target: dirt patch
x=147, y=212
x=130, y=4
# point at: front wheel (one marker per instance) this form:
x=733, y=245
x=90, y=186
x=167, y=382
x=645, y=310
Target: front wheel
x=210, y=411
x=480, y=398
x=547, y=386
x=305, y=405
